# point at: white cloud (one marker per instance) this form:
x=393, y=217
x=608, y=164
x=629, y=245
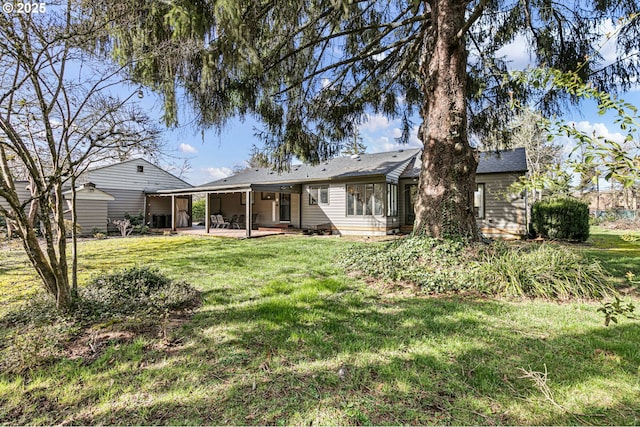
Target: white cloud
x=376, y=123
x=517, y=53
x=599, y=129
x=219, y=173
x=388, y=142
x=186, y=148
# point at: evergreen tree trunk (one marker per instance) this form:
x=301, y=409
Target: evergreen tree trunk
x=444, y=207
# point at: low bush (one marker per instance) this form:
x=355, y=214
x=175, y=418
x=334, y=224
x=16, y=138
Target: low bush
x=137, y=290
x=432, y=264
x=544, y=271
x=541, y=271
x=562, y=218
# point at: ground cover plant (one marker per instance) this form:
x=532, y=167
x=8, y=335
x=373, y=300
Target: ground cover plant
x=285, y=336
x=545, y=270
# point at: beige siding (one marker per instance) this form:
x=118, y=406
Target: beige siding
x=504, y=212
x=23, y=193
x=335, y=213
x=394, y=175
x=125, y=176
x=91, y=214
x=126, y=201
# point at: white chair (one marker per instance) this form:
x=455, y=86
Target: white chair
x=214, y=221
x=221, y=222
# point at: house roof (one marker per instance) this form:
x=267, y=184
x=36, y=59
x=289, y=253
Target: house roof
x=90, y=192
x=504, y=161
x=378, y=164
x=364, y=165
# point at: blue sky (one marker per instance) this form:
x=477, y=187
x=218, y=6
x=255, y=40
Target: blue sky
x=214, y=156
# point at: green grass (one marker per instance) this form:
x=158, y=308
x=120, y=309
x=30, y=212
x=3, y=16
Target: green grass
x=286, y=337
x=616, y=255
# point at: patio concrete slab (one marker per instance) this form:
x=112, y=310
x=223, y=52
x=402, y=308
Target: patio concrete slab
x=233, y=233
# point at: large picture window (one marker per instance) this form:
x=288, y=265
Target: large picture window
x=365, y=199
x=319, y=195
x=478, y=201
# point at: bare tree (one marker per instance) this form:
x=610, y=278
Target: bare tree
x=58, y=114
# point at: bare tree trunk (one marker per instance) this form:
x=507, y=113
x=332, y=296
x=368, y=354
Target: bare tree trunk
x=74, y=239
x=444, y=207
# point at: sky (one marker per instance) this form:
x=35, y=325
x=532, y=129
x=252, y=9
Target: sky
x=214, y=155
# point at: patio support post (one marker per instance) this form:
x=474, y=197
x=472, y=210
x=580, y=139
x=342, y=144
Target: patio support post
x=248, y=214
x=207, y=212
x=173, y=213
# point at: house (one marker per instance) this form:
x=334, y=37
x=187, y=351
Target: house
x=134, y=185
x=499, y=212
x=368, y=194
x=129, y=187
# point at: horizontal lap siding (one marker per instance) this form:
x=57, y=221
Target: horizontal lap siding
x=125, y=176
x=336, y=213
x=23, y=194
x=504, y=212
x=126, y=201
x=91, y=214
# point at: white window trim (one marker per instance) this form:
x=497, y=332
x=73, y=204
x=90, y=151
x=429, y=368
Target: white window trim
x=317, y=200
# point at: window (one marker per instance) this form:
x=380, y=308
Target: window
x=478, y=201
x=243, y=198
x=365, y=199
x=319, y=195
x=392, y=199
x=140, y=168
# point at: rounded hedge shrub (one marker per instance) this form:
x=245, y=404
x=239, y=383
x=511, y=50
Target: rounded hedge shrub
x=561, y=218
x=137, y=290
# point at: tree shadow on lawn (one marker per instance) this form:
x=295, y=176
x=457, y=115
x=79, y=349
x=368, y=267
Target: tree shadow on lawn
x=334, y=356
x=616, y=255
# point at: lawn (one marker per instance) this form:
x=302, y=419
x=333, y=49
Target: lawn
x=286, y=337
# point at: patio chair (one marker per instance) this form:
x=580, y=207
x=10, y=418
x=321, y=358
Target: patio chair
x=234, y=221
x=221, y=222
x=240, y=223
x=214, y=221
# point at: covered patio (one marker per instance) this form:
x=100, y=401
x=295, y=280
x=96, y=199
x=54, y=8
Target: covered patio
x=270, y=205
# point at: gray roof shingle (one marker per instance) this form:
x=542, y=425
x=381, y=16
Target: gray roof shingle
x=337, y=168
x=504, y=161
x=378, y=164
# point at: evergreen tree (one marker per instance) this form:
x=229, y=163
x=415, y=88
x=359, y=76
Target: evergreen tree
x=354, y=145
x=310, y=70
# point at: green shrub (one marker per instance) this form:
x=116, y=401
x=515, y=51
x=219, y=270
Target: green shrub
x=541, y=271
x=561, y=218
x=197, y=210
x=137, y=290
